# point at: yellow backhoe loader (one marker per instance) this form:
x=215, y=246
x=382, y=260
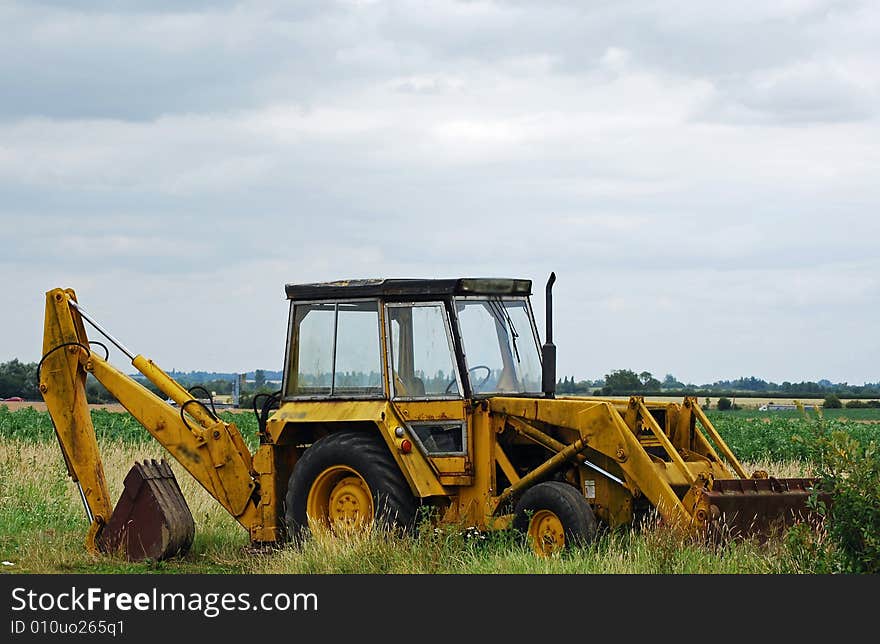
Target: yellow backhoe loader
x=399, y=394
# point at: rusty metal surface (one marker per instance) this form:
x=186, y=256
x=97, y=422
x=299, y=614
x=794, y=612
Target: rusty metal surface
x=151, y=519
x=760, y=507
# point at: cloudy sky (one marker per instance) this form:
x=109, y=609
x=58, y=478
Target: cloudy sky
x=703, y=177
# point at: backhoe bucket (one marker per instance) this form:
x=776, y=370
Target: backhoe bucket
x=760, y=507
x=151, y=519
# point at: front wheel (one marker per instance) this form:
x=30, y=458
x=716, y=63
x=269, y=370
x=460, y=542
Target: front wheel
x=347, y=481
x=554, y=516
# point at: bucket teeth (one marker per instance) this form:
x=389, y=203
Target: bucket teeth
x=151, y=519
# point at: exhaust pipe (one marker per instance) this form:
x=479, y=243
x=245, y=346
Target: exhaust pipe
x=548, y=351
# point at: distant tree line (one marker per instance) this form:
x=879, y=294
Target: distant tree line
x=262, y=376
x=628, y=382
x=19, y=379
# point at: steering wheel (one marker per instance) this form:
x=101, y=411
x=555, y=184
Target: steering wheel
x=474, y=368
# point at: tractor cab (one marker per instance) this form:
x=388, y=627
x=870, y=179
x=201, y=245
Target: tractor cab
x=412, y=340
x=428, y=345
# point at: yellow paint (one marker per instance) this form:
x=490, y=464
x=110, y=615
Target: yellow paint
x=655, y=450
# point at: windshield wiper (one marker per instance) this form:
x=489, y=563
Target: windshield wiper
x=501, y=311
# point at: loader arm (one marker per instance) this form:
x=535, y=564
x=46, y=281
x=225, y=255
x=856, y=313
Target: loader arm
x=211, y=450
x=691, y=487
x=600, y=426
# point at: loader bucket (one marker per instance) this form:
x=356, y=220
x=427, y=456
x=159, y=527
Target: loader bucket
x=151, y=519
x=760, y=507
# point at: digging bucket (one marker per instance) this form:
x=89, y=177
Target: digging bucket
x=760, y=507
x=151, y=519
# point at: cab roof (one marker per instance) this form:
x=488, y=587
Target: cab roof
x=409, y=288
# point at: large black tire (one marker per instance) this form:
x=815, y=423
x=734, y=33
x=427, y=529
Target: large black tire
x=394, y=505
x=554, y=516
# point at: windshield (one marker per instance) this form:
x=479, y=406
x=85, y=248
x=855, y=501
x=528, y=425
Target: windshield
x=500, y=345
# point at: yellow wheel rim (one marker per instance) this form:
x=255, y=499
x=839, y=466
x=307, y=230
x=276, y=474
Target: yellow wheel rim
x=340, y=500
x=546, y=534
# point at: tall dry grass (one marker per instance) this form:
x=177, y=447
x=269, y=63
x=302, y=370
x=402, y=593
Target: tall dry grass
x=43, y=522
x=43, y=525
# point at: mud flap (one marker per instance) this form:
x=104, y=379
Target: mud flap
x=151, y=519
x=760, y=507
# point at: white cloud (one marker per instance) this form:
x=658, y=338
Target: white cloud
x=701, y=178
x=615, y=59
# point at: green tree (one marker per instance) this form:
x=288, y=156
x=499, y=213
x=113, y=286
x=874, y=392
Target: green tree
x=649, y=382
x=832, y=401
x=622, y=381
x=724, y=403
x=19, y=379
x=259, y=379
x=670, y=382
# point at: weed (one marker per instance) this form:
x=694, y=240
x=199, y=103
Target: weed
x=848, y=470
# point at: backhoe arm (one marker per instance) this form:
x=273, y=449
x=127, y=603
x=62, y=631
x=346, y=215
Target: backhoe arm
x=63, y=386
x=211, y=450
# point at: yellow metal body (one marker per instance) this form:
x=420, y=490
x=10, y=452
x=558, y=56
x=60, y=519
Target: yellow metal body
x=210, y=449
x=624, y=455
x=659, y=454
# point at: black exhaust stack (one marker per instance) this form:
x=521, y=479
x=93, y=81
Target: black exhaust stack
x=548, y=351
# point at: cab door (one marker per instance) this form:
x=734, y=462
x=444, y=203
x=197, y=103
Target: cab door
x=426, y=387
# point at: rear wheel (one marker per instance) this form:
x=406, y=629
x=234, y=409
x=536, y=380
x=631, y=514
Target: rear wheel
x=347, y=481
x=554, y=516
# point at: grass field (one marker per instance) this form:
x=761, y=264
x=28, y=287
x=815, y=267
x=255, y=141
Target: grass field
x=42, y=523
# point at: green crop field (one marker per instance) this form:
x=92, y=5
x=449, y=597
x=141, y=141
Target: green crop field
x=42, y=522
x=782, y=435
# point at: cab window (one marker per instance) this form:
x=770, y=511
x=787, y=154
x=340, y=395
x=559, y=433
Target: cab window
x=421, y=354
x=335, y=350
x=501, y=348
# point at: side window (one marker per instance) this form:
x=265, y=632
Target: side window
x=310, y=370
x=421, y=355
x=358, y=369
x=335, y=350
